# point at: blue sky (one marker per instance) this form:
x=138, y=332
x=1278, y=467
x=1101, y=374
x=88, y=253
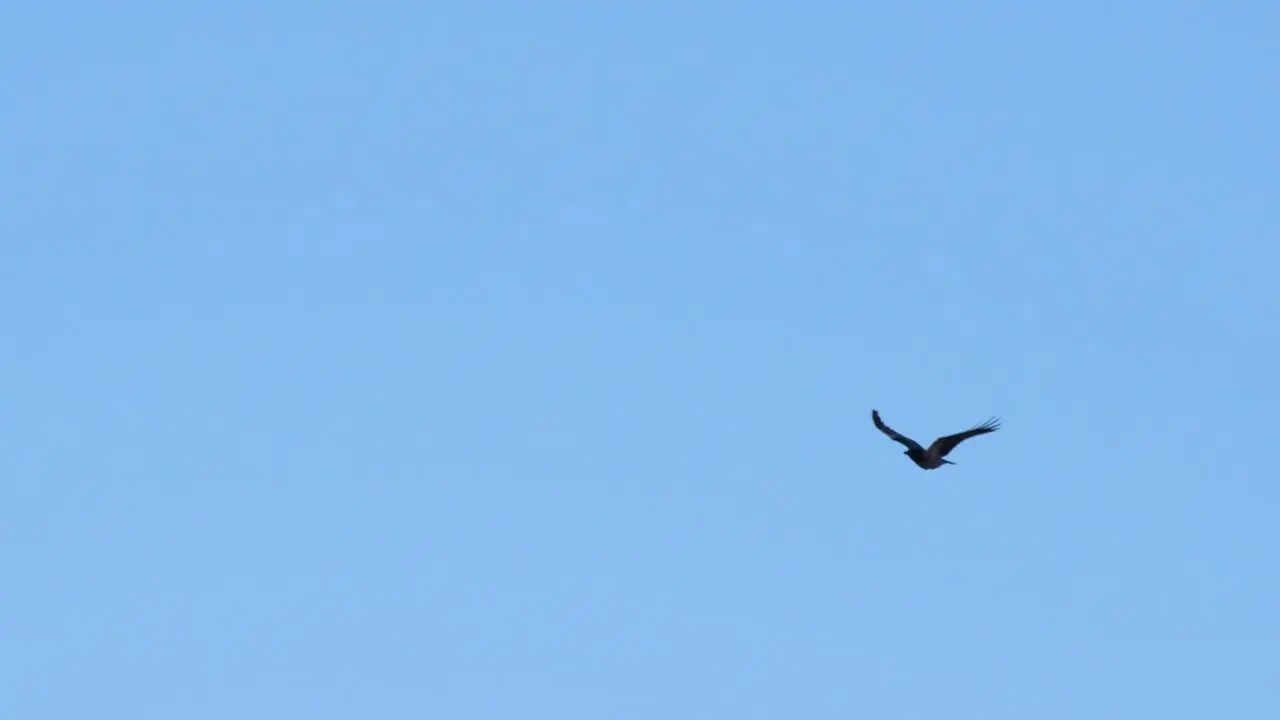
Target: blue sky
x=498, y=360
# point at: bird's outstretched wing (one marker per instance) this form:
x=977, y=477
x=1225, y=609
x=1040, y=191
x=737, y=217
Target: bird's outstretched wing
x=944, y=445
x=898, y=437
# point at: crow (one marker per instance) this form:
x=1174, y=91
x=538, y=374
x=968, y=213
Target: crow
x=932, y=458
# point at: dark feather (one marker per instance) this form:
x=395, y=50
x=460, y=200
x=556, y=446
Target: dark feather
x=899, y=437
x=944, y=445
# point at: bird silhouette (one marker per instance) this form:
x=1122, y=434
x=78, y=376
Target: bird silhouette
x=932, y=458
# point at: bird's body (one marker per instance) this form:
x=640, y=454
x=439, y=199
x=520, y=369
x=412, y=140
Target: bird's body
x=932, y=458
x=925, y=460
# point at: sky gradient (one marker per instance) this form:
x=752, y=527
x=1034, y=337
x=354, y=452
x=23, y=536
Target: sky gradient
x=516, y=360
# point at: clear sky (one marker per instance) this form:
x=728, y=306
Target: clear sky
x=516, y=360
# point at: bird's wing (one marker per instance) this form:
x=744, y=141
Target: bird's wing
x=944, y=445
x=875, y=418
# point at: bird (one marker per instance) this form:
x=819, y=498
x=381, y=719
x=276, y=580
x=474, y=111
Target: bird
x=932, y=458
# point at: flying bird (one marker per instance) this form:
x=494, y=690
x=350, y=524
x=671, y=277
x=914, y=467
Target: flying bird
x=932, y=458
